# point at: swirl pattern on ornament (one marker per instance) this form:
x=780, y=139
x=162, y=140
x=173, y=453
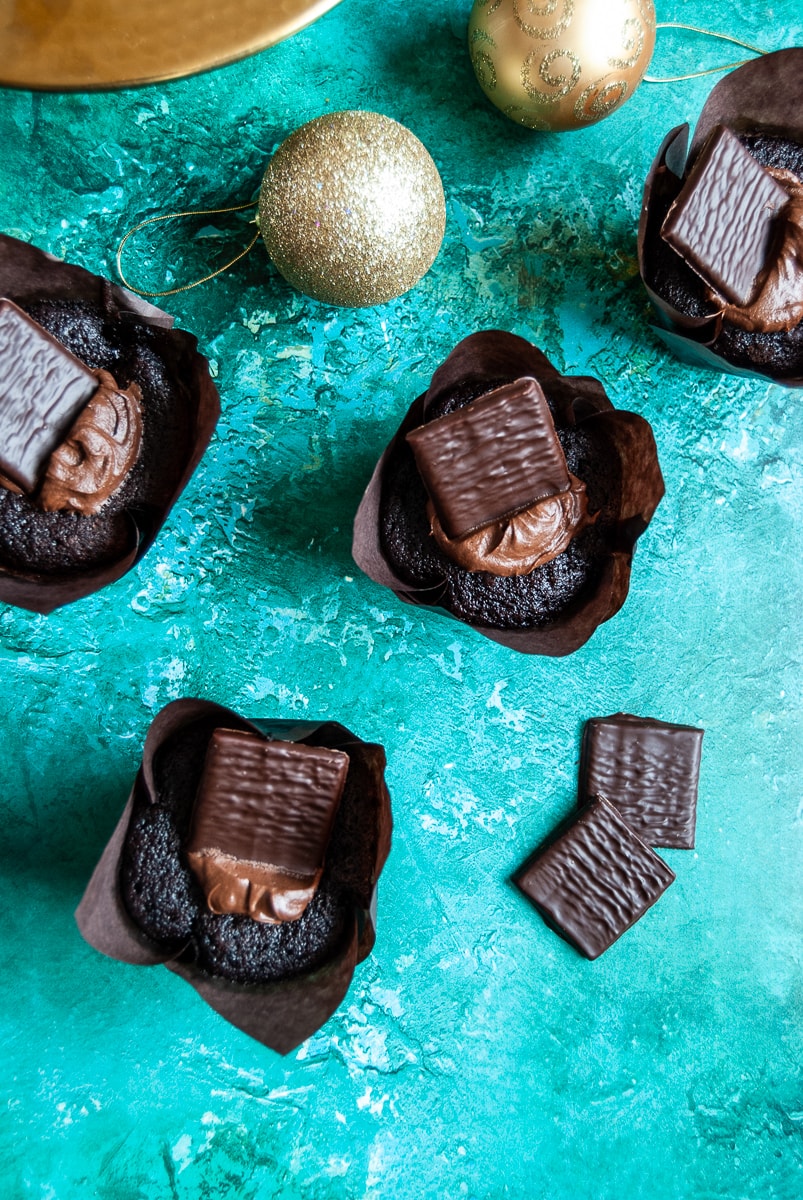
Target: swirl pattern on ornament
x=543, y=32
x=562, y=83
x=560, y=64
x=595, y=102
x=484, y=69
x=632, y=40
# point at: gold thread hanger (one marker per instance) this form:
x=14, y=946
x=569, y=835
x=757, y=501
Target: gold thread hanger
x=722, y=37
x=194, y=212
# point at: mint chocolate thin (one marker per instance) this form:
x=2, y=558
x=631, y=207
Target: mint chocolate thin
x=267, y=802
x=43, y=388
x=722, y=222
x=649, y=770
x=594, y=878
x=492, y=458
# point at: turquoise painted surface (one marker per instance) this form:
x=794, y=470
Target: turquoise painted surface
x=476, y=1055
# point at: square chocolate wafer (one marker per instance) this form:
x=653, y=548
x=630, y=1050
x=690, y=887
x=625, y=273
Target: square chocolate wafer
x=649, y=770
x=722, y=221
x=267, y=802
x=43, y=388
x=594, y=878
x=491, y=458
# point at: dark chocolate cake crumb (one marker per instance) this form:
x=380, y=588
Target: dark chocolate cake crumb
x=775, y=152
x=62, y=542
x=163, y=898
x=244, y=951
x=780, y=354
x=531, y=601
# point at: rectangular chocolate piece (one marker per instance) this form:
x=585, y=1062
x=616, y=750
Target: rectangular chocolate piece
x=594, y=878
x=267, y=802
x=721, y=222
x=492, y=458
x=43, y=388
x=649, y=770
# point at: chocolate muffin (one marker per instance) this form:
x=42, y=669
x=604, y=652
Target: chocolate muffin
x=109, y=475
x=154, y=897
x=748, y=144
x=552, y=559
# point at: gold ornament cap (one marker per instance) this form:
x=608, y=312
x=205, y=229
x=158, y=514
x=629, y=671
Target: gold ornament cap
x=352, y=209
x=556, y=65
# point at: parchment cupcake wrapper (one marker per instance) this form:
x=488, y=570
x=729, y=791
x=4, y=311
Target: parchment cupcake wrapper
x=282, y=1014
x=28, y=274
x=487, y=357
x=763, y=96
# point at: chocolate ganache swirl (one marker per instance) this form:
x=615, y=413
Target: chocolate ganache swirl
x=519, y=543
x=98, y=452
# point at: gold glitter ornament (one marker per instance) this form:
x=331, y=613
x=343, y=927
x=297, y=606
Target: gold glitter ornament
x=351, y=209
x=560, y=64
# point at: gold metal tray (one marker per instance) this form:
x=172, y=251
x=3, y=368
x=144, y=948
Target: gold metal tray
x=84, y=45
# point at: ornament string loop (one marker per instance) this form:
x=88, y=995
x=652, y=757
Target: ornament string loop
x=195, y=212
x=722, y=37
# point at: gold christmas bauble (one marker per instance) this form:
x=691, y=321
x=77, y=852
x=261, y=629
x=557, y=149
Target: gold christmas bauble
x=352, y=209
x=560, y=64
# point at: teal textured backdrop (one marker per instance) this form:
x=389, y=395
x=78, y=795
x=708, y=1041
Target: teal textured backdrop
x=476, y=1054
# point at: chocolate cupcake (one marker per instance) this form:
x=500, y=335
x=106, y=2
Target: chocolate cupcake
x=246, y=861
x=721, y=230
x=105, y=411
x=511, y=498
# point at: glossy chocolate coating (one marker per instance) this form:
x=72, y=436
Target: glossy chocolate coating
x=649, y=770
x=777, y=306
x=492, y=458
x=594, y=878
x=505, y=602
x=267, y=802
x=722, y=220
x=48, y=559
x=262, y=822
x=43, y=388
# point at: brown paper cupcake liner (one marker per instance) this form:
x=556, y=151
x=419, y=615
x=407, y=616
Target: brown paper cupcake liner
x=765, y=96
x=488, y=357
x=280, y=1014
x=29, y=275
